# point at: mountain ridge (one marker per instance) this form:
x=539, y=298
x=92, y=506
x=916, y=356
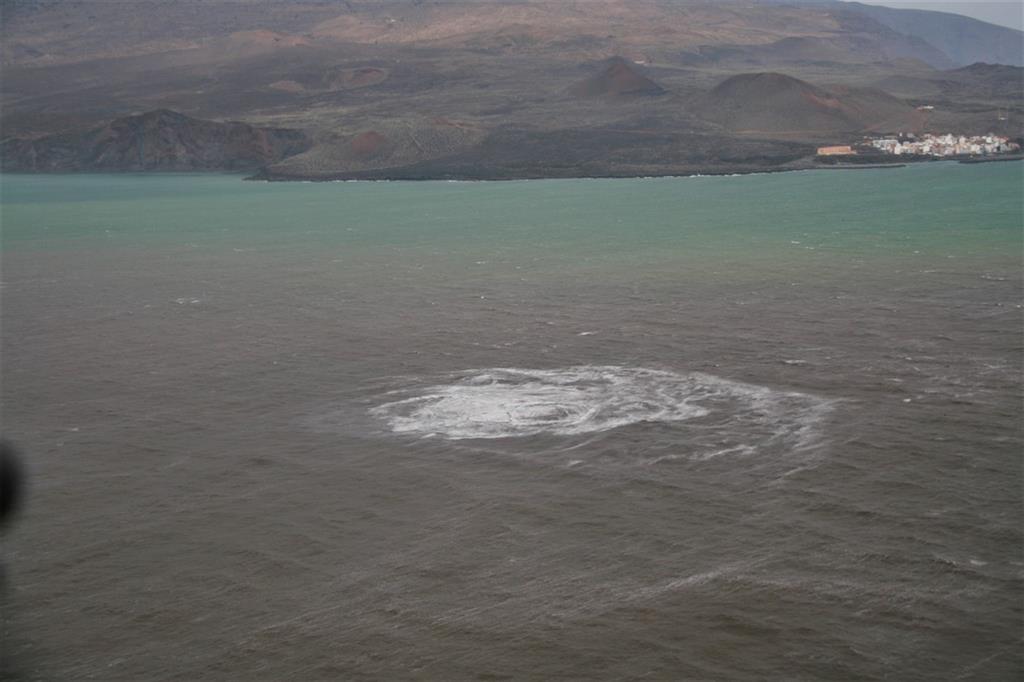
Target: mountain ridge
x=366, y=84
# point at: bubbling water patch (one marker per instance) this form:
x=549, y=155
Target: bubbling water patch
x=727, y=416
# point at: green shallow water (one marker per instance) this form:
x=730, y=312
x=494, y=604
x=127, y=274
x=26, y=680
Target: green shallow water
x=931, y=208
x=755, y=427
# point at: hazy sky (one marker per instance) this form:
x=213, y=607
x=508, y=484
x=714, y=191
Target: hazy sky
x=1005, y=13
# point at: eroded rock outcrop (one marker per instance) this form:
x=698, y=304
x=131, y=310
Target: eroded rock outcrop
x=160, y=140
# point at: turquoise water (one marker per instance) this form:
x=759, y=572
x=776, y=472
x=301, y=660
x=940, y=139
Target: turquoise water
x=928, y=208
x=745, y=428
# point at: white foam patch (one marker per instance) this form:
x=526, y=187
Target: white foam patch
x=507, y=403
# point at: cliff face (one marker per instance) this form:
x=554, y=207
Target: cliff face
x=160, y=140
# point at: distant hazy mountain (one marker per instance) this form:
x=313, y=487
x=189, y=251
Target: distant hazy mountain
x=963, y=39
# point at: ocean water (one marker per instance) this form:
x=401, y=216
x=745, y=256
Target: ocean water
x=722, y=428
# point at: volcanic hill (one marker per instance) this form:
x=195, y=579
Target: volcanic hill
x=618, y=77
x=774, y=103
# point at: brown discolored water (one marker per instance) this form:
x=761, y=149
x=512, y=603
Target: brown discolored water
x=749, y=428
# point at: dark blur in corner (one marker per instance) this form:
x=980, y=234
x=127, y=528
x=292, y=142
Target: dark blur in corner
x=11, y=482
x=11, y=495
